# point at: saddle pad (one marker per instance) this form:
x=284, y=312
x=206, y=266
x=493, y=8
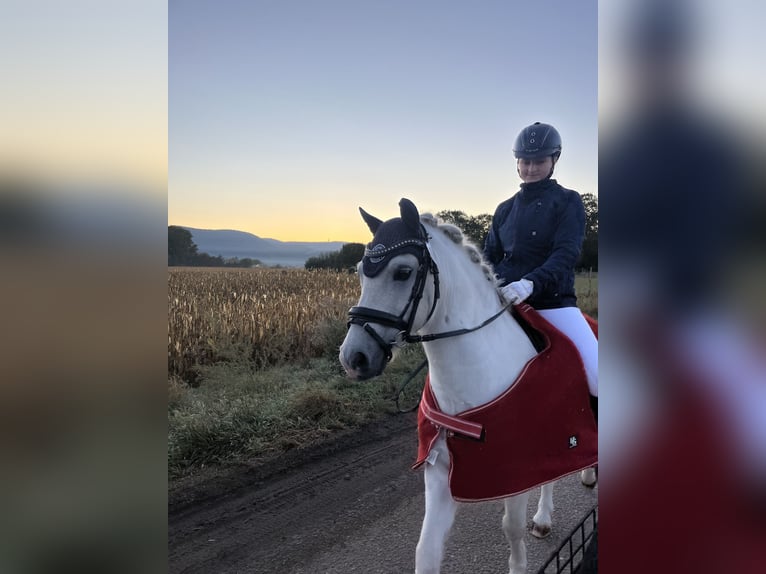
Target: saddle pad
x=540, y=429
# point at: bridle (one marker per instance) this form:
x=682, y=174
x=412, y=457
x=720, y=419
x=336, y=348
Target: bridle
x=365, y=317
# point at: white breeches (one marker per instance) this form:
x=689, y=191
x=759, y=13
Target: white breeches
x=571, y=322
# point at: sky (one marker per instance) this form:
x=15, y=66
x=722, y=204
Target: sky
x=285, y=116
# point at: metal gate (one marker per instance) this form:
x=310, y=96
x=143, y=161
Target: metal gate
x=570, y=553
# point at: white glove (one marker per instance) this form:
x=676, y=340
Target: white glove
x=517, y=291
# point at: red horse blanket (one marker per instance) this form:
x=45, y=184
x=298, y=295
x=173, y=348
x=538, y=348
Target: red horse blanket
x=540, y=429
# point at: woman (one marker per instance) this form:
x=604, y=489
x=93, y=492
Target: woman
x=535, y=241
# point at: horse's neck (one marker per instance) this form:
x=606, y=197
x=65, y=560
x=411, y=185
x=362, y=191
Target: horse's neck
x=472, y=369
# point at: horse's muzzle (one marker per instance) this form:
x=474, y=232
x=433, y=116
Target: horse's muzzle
x=361, y=355
x=358, y=367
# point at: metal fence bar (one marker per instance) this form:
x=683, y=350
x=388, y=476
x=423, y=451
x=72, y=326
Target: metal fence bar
x=569, y=551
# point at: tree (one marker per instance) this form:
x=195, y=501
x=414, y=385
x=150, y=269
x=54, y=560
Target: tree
x=181, y=248
x=351, y=254
x=348, y=256
x=247, y=262
x=475, y=227
x=183, y=251
x=589, y=255
x=207, y=260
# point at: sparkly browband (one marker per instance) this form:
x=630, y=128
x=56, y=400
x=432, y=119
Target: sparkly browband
x=380, y=253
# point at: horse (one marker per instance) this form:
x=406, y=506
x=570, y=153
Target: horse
x=474, y=346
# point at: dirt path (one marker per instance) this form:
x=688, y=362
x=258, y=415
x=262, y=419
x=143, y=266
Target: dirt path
x=351, y=505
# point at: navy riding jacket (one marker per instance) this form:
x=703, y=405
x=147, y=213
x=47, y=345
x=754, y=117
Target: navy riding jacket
x=537, y=235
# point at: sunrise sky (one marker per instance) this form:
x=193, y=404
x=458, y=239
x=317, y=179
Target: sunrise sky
x=286, y=116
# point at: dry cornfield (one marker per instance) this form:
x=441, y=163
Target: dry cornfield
x=267, y=316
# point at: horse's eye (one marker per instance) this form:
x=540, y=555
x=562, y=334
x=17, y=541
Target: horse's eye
x=402, y=273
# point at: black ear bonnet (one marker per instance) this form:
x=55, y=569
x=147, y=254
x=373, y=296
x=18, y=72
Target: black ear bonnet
x=403, y=234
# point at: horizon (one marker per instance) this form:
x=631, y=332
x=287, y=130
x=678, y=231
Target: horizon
x=263, y=237
x=365, y=230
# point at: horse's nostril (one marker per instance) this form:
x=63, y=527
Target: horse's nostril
x=359, y=361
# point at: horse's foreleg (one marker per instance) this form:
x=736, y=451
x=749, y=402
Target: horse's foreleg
x=440, y=513
x=542, y=518
x=515, y=527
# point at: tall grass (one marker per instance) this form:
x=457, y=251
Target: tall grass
x=266, y=316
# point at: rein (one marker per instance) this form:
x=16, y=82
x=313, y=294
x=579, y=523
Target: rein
x=366, y=316
x=456, y=332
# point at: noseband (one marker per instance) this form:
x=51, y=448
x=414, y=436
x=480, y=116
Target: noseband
x=365, y=317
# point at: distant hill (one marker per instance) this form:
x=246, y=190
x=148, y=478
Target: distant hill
x=231, y=243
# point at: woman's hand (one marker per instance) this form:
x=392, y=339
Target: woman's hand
x=517, y=291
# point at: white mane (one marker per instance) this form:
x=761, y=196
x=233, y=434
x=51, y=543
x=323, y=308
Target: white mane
x=455, y=234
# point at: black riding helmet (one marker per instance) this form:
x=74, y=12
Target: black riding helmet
x=537, y=141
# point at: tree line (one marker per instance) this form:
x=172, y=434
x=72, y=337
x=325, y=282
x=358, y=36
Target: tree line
x=182, y=251
x=476, y=228
x=343, y=260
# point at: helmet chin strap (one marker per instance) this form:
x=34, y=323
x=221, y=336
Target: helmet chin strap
x=555, y=158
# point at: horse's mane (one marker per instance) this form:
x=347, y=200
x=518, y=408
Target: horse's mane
x=455, y=234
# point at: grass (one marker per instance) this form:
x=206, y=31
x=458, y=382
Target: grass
x=586, y=287
x=238, y=413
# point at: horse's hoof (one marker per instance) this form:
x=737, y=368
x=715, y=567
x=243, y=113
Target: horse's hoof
x=589, y=477
x=541, y=531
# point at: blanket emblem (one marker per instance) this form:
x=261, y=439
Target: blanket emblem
x=572, y=441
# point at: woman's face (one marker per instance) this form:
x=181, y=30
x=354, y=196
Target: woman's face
x=532, y=170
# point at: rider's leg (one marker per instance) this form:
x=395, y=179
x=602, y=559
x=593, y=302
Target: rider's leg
x=571, y=322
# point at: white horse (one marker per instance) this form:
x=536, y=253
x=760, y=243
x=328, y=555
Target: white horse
x=468, y=366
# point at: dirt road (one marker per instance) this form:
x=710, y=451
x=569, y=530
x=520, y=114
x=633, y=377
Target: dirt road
x=351, y=505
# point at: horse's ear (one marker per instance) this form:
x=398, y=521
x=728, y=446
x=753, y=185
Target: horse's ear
x=372, y=222
x=410, y=215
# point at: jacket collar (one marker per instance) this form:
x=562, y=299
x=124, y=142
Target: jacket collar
x=537, y=187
